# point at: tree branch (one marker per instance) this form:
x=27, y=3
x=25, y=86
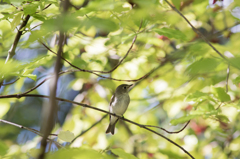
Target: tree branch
x=104, y=111
x=12, y=50
x=49, y=112
x=30, y=129
x=169, y=132
x=105, y=72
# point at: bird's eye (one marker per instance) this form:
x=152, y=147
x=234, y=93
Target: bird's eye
x=125, y=87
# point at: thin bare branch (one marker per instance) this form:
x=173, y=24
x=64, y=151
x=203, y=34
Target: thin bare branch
x=93, y=72
x=30, y=129
x=169, y=132
x=47, y=6
x=12, y=50
x=4, y=84
x=104, y=111
x=105, y=72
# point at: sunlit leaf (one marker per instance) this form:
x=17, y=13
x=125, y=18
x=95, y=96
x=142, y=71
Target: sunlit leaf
x=66, y=136
x=236, y=80
x=235, y=62
x=183, y=119
x=197, y=96
x=3, y=148
x=72, y=153
x=176, y=3
x=31, y=76
x=30, y=8
x=223, y=118
x=171, y=33
x=221, y=94
x=121, y=153
x=202, y=66
x=16, y=20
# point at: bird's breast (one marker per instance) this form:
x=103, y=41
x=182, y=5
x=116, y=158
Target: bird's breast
x=120, y=105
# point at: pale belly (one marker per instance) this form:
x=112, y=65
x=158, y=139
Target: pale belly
x=119, y=107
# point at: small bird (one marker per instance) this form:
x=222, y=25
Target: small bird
x=118, y=105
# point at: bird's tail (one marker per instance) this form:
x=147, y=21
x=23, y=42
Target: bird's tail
x=111, y=128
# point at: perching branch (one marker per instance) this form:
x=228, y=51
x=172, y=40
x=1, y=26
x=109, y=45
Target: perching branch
x=30, y=129
x=104, y=111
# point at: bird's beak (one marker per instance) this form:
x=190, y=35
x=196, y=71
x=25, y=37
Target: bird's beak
x=130, y=86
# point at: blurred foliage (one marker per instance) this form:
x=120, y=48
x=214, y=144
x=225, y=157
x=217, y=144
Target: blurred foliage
x=190, y=81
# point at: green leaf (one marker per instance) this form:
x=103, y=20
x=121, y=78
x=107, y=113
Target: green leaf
x=65, y=23
x=104, y=24
x=177, y=3
x=121, y=153
x=74, y=153
x=39, y=17
x=223, y=118
x=221, y=94
x=235, y=62
x=183, y=119
x=205, y=113
x=170, y=153
x=3, y=148
x=31, y=76
x=16, y=20
x=4, y=106
x=171, y=33
x=197, y=96
x=66, y=136
x=236, y=80
x=7, y=1
x=30, y=8
x=202, y=66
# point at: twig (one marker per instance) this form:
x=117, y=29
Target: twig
x=4, y=84
x=197, y=31
x=104, y=111
x=11, y=52
x=29, y=129
x=93, y=72
x=219, y=105
x=47, y=6
x=169, y=132
x=83, y=132
x=105, y=72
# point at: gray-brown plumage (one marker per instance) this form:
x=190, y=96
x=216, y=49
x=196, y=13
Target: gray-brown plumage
x=118, y=105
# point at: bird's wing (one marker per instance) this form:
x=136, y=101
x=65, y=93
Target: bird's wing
x=110, y=104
